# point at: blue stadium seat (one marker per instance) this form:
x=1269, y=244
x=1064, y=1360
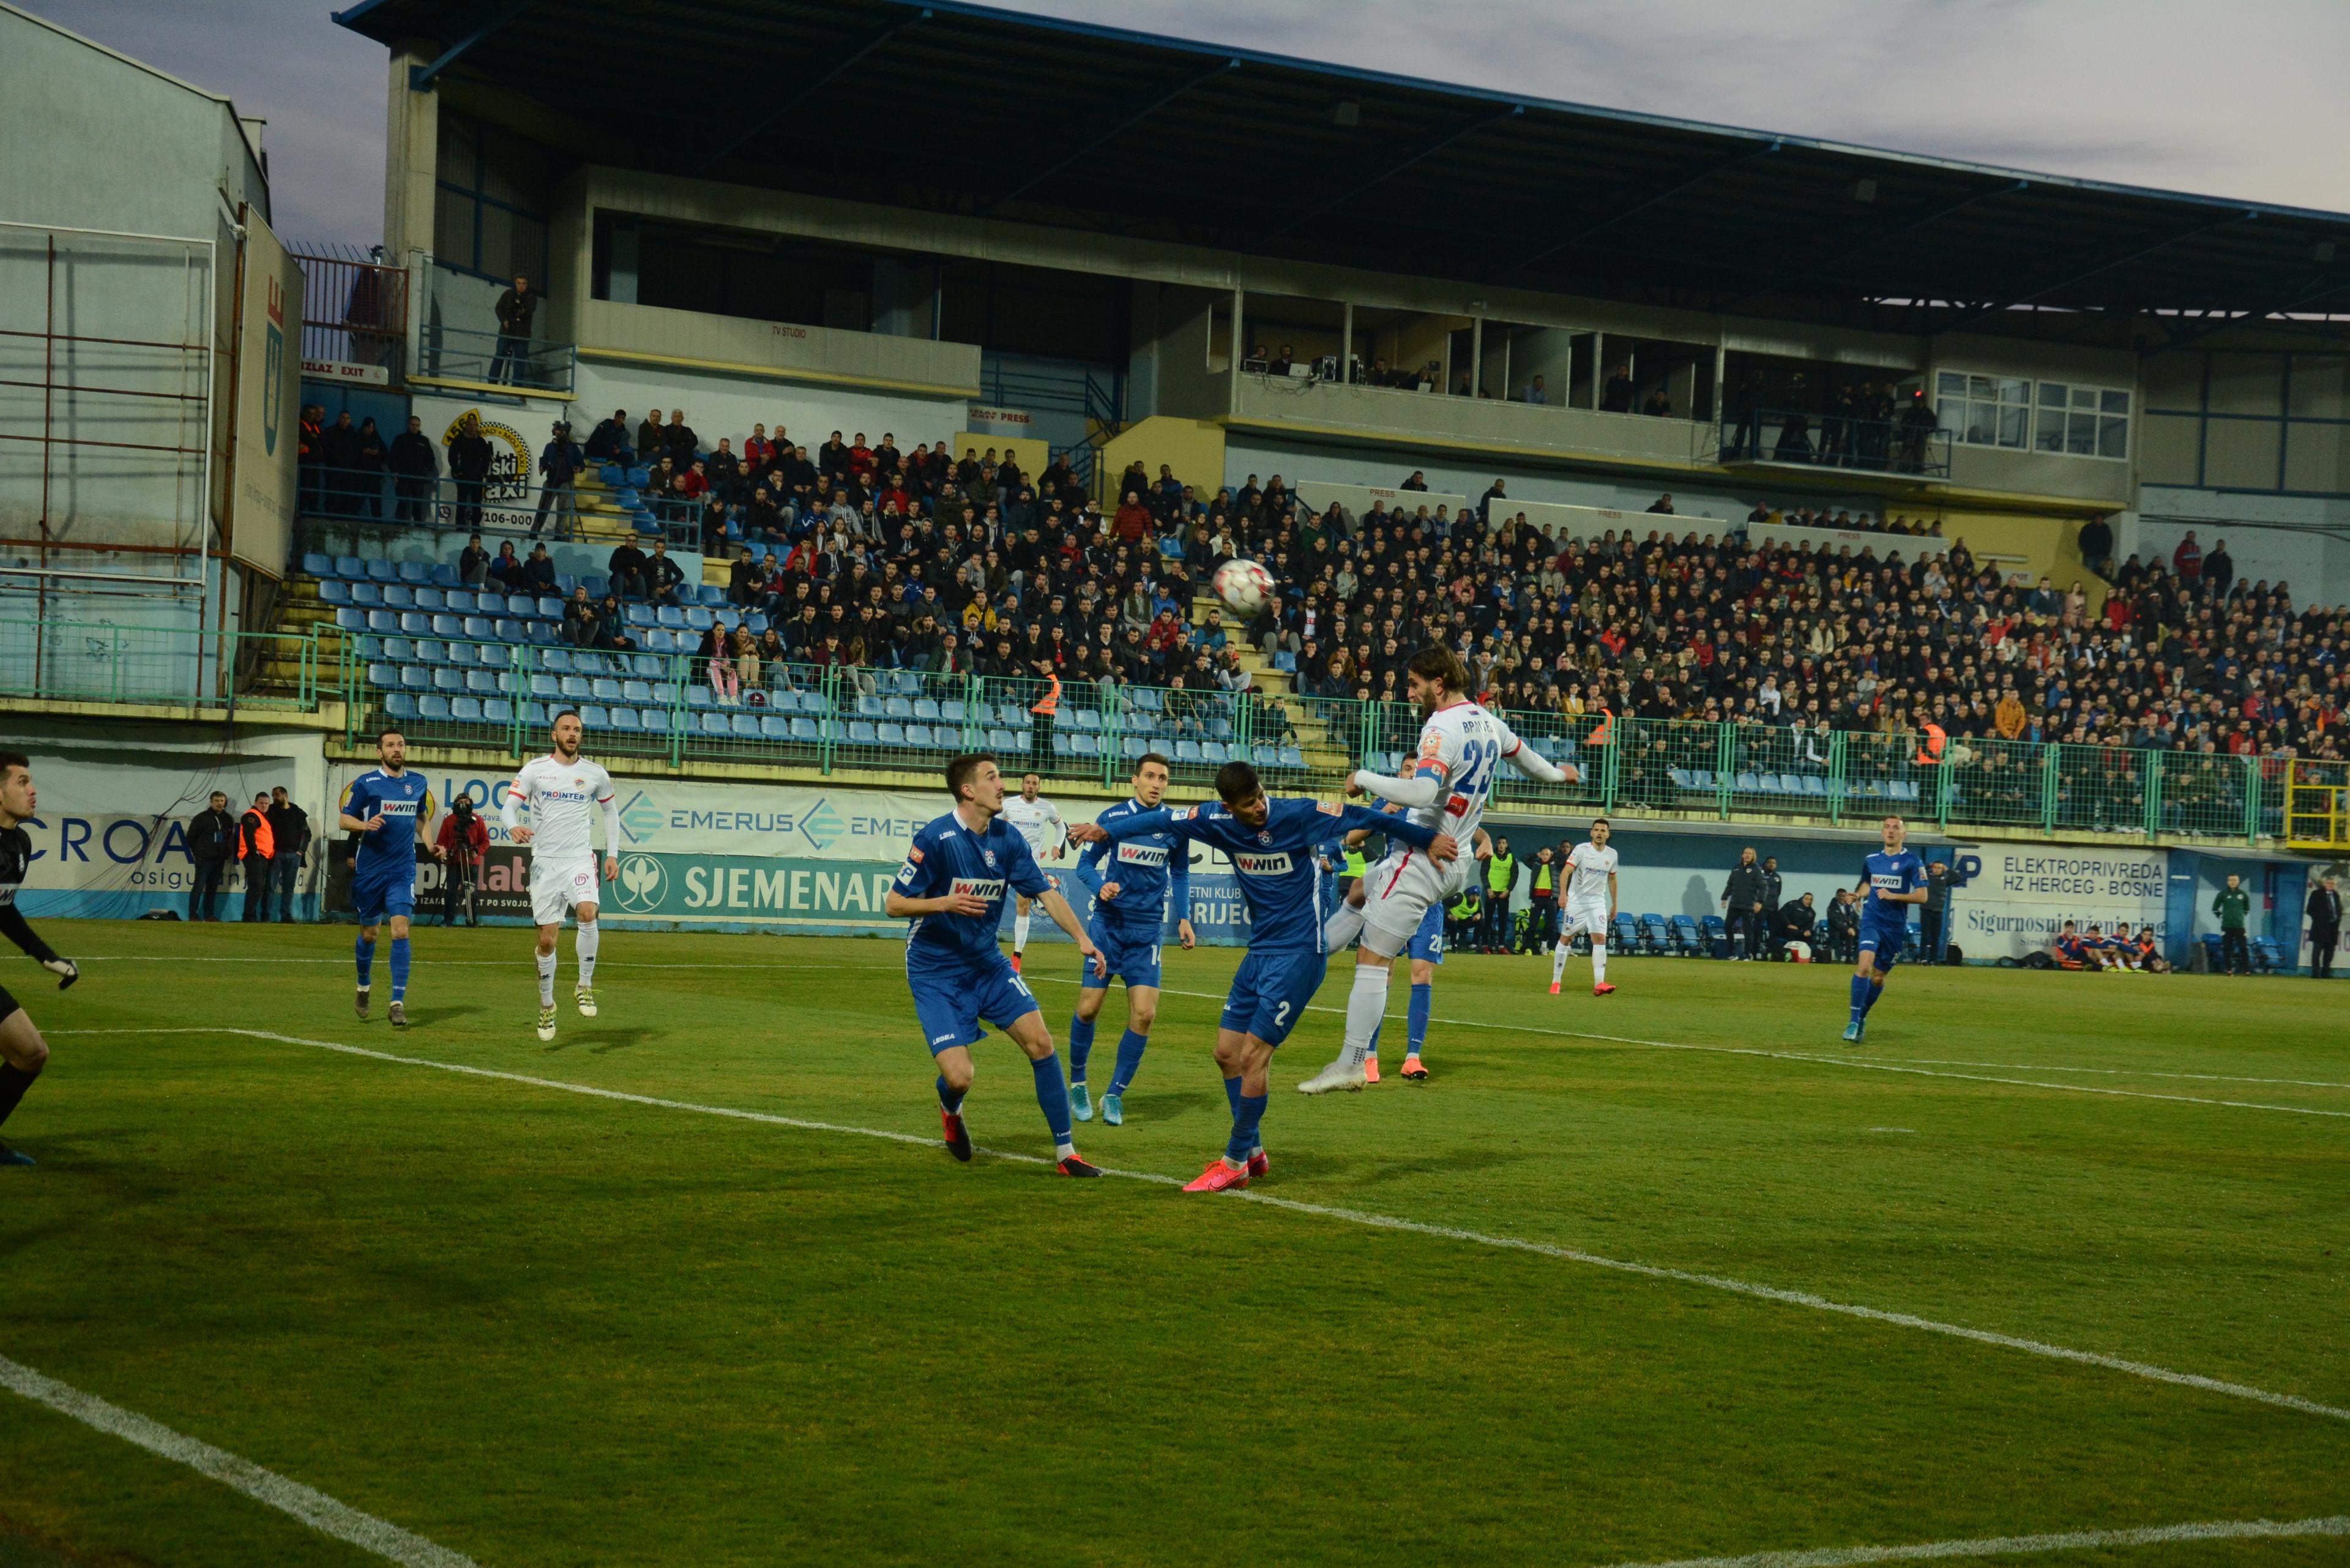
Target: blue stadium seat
x=638, y=615
x=564, y=583
x=1688, y=939
x=478, y=627
x=535, y=714
x=712, y=724
x=1085, y=719
x=556, y=661
x=1189, y=752
x=596, y=587
x=604, y=688
x=430, y=650
x=495, y=656
x=538, y=634
x=670, y=617
x=400, y=705
x=444, y=576
x=333, y=593
x=713, y=596
x=1214, y=751
x=548, y=609
x=383, y=620
x=351, y=568
x=461, y=600
x=447, y=626
x=400, y=650
x=696, y=619
x=467, y=709
x=431, y=599
x=497, y=711
x=896, y=708
x=927, y=711
x=447, y=680
x=415, y=572
x=371, y=650
x=805, y=729
x=592, y=717
x=465, y=656
x=367, y=596
x=490, y=602
x=655, y=719
x=433, y=705
x=1627, y=935
x=398, y=595
x=743, y=726
x=482, y=682
x=317, y=566
x=625, y=720
x=1655, y=935
x=415, y=678
x=383, y=675
x=699, y=697
x=415, y=623
x=383, y=572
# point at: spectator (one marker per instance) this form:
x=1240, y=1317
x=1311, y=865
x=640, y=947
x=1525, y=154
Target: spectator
x=582, y=626
x=2188, y=562
x=254, y=845
x=1659, y=404
x=368, y=464
x=539, y=571
x=1772, y=890
x=469, y=469
x=717, y=660
x=678, y=441
x=608, y=443
x=1417, y=481
x=415, y=465
x=506, y=571
x=560, y=462
x=2325, y=912
x=1934, y=914
x=213, y=838
x=514, y=309
x=340, y=444
x=1741, y=901
x=1541, y=901
x=289, y=829
x=1536, y=392
x=2218, y=571
x=310, y=460
x=2097, y=545
x=465, y=840
x=625, y=569
x=2233, y=905
x=612, y=622
x=1663, y=504
x=474, y=563
x=1618, y=395
x=662, y=574
x=1796, y=922
x=1844, y=926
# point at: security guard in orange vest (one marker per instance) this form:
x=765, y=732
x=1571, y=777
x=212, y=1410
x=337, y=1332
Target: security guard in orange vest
x=1043, y=710
x=256, y=844
x=1929, y=749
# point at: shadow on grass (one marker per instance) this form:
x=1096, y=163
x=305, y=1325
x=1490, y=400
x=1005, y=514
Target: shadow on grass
x=1148, y=1106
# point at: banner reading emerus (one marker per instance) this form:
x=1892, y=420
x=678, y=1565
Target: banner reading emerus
x=2022, y=894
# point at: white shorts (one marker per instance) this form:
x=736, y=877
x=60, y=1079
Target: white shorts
x=1587, y=919
x=556, y=886
x=1400, y=889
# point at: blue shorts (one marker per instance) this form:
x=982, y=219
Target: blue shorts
x=1885, y=942
x=379, y=895
x=1131, y=955
x=951, y=1000
x=1270, y=992
x=1427, y=942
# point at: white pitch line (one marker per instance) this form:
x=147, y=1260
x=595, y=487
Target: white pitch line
x=313, y=1508
x=1852, y=1062
x=345, y=962
x=2012, y=1545
x=1351, y=1216
x=2119, y=1072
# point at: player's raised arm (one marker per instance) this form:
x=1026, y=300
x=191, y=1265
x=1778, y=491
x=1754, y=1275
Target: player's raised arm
x=1424, y=788
x=1087, y=869
x=1440, y=846
x=1533, y=765
x=1027, y=876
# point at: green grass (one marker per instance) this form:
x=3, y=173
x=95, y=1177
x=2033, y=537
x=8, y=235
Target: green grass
x=543, y=1328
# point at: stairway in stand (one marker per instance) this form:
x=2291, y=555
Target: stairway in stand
x=1323, y=752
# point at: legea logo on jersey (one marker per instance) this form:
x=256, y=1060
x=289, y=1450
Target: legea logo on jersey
x=642, y=881
x=640, y=818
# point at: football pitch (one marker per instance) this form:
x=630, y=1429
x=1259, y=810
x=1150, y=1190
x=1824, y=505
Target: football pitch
x=1669, y=1275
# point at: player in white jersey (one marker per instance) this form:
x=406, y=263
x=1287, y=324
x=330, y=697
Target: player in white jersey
x=1590, y=906
x=1038, y=821
x=1460, y=746
x=558, y=789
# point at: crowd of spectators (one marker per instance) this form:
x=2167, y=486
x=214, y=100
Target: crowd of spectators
x=868, y=556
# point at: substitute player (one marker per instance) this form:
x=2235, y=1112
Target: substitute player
x=1460, y=747
x=1271, y=844
x=1038, y=821
x=23, y=1051
x=1590, y=906
x=1895, y=879
x=393, y=813
x=557, y=788
x=951, y=887
x=1130, y=900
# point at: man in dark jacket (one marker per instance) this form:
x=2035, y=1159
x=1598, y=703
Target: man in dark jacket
x=256, y=845
x=341, y=445
x=2324, y=911
x=608, y=442
x=1741, y=904
x=662, y=574
x=538, y=572
x=211, y=839
x=626, y=569
x=515, y=307
x=1844, y=927
x=560, y=462
x=289, y=825
x=414, y=467
x=1933, y=915
x=473, y=564
x=1771, y=888
x=469, y=467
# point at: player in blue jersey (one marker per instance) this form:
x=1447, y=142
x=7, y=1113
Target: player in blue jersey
x=1895, y=879
x=956, y=872
x=1131, y=904
x=391, y=811
x=1271, y=844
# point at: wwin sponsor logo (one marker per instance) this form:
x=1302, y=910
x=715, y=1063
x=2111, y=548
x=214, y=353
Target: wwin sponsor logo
x=980, y=889
x=1274, y=864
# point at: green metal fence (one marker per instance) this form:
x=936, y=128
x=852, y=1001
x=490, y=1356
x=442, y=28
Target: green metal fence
x=88, y=662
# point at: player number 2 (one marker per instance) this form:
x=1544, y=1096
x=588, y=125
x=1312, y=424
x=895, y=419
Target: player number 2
x=1281, y=1016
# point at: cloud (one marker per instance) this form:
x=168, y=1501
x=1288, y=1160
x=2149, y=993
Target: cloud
x=2173, y=94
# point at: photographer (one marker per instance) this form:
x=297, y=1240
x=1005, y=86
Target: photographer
x=465, y=841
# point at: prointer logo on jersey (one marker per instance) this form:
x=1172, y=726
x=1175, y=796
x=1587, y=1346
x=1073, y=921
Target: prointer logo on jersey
x=980, y=889
x=1274, y=864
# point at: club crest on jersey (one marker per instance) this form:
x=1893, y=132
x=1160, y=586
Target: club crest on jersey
x=988, y=855
x=1330, y=808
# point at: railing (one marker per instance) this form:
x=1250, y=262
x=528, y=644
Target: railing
x=503, y=503
x=80, y=662
x=526, y=364
x=354, y=313
x=2316, y=801
x=1834, y=440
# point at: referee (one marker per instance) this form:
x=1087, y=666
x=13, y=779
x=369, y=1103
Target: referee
x=23, y=1051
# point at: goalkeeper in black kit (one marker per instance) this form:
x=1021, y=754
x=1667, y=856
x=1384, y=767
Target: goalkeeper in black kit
x=23, y=1051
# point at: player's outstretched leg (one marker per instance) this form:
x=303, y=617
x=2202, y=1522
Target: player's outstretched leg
x=1081, y=1050
x=1600, y=986
x=363, y=953
x=1029, y=1033
x=1867, y=985
x=23, y=1054
x=1416, y=1017
x=1559, y=957
x=1130, y=1046
x=950, y=1094
x=398, y=1011
x=589, y=937
x=1240, y=1057
x=1366, y=1004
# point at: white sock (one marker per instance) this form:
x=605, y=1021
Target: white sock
x=588, y=933
x=1343, y=925
x=1364, y=1008
x=547, y=980
x=1019, y=933
x=1559, y=958
x=1599, y=960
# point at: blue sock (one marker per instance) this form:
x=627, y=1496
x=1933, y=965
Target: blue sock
x=949, y=1101
x=1052, y=1097
x=1081, y=1046
x=1859, y=997
x=1245, y=1138
x=1232, y=1095
x=1424, y=998
x=1129, y=1060
x=1876, y=990
x=365, y=950
x=399, y=968
x=1381, y=1029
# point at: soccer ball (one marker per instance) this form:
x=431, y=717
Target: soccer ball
x=1244, y=586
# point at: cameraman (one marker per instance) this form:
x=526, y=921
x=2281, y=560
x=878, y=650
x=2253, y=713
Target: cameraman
x=465, y=841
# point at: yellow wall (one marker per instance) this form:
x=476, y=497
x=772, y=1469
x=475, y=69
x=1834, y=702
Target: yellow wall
x=2051, y=545
x=1030, y=452
x=1194, y=448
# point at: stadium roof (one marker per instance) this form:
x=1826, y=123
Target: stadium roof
x=949, y=107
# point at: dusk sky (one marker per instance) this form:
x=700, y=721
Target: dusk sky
x=2244, y=100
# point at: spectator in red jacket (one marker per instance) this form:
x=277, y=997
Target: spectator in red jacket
x=2188, y=560
x=465, y=843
